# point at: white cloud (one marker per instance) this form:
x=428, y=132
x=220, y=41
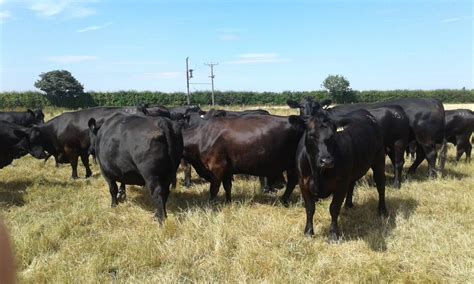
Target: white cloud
x=93, y=28
x=68, y=59
x=451, y=20
x=5, y=15
x=138, y=62
x=66, y=8
x=161, y=75
x=229, y=37
x=258, y=58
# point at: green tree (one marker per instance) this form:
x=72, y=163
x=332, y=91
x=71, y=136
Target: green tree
x=59, y=86
x=339, y=89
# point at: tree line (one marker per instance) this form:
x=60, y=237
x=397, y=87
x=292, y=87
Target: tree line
x=60, y=89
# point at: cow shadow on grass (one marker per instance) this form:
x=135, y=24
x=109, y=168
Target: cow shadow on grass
x=362, y=221
x=422, y=173
x=191, y=198
x=12, y=192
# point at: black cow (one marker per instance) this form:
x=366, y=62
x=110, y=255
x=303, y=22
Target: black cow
x=178, y=113
x=391, y=119
x=332, y=156
x=138, y=150
x=459, y=128
x=196, y=118
x=66, y=137
x=426, y=118
x=259, y=145
x=17, y=141
x=26, y=118
x=153, y=110
x=227, y=113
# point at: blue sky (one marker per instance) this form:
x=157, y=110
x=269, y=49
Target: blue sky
x=259, y=45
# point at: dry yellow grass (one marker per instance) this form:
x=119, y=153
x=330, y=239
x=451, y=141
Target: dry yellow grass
x=65, y=231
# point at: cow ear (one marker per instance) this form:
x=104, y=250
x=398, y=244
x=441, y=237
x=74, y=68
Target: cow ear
x=142, y=107
x=92, y=125
x=299, y=122
x=30, y=112
x=20, y=133
x=326, y=103
x=292, y=104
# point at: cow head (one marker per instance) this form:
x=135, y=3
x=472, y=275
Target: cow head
x=319, y=139
x=308, y=106
x=142, y=108
x=192, y=117
x=37, y=116
x=215, y=113
x=31, y=142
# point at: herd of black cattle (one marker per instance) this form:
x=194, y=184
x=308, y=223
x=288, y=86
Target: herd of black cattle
x=324, y=149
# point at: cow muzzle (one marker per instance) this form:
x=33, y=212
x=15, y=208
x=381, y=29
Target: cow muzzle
x=326, y=163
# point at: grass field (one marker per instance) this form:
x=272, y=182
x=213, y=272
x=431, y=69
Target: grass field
x=64, y=230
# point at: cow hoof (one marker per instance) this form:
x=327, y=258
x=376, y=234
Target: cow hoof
x=383, y=213
x=309, y=233
x=349, y=205
x=88, y=175
x=187, y=184
x=285, y=202
x=160, y=218
x=113, y=205
x=269, y=190
x=334, y=237
x=121, y=196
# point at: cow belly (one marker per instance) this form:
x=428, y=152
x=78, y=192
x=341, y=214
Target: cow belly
x=131, y=178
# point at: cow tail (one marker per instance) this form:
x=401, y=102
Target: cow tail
x=444, y=146
x=169, y=135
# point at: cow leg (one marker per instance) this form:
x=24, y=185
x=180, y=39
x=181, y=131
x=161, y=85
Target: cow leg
x=122, y=195
x=159, y=193
x=277, y=182
x=459, y=152
x=187, y=173
x=218, y=171
x=290, y=186
x=227, y=183
x=378, y=170
x=214, y=190
x=350, y=192
x=468, y=151
x=430, y=152
x=73, y=158
x=309, y=205
x=113, y=191
x=334, y=209
x=398, y=161
x=264, y=184
x=420, y=157
x=85, y=162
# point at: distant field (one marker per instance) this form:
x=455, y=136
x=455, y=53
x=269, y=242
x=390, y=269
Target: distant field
x=65, y=231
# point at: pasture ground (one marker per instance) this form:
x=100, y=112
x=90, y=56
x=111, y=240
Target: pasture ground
x=64, y=230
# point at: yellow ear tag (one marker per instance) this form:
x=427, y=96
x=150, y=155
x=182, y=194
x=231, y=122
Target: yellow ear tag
x=339, y=129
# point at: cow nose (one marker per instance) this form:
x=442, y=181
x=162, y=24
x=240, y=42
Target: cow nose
x=326, y=162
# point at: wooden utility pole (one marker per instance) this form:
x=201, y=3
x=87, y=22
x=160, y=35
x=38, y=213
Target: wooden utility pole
x=188, y=100
x=212, y=79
